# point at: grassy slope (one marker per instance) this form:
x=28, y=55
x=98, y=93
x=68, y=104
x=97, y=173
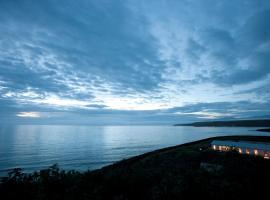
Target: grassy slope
x=170, y=173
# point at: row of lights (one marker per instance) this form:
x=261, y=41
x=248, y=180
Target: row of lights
x=266, y=156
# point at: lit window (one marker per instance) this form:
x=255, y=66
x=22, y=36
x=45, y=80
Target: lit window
x=256, y=152
x=214, y=147
x=240, y=150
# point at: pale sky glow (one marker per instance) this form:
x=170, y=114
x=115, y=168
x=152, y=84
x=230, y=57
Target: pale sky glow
x=134, y=61
x=207, y=115
x=133, y=104
x=29, y=114
x=56, y=101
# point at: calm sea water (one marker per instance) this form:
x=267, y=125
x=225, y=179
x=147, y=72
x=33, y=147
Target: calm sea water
x=34, y=147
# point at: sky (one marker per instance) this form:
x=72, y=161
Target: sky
x=133, y=61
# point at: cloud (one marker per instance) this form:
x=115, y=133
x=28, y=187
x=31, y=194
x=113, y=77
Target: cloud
x=128, y=57
x=29, y=114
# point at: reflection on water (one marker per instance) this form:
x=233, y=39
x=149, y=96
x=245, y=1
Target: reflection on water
x=34, y=147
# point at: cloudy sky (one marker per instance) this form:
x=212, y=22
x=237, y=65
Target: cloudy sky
x=133, y=61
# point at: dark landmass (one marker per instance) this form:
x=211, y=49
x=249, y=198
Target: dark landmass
x=264, y=130
x=182, y=172
x=238, y=123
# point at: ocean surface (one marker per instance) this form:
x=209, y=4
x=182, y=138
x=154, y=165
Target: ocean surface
x=35, y=147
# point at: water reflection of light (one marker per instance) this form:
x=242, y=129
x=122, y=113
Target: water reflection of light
x=84, y=147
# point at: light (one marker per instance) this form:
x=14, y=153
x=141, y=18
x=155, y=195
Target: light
x=240, y=150
x=61, y=102
x=256, y=152
x=247, y=151
x=214, y=147
x=29, y=114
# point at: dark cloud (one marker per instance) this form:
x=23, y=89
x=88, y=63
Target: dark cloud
x=194, y=49
x=105, y=42
x=101, y=115
x=113, y=60
x=247, y=45
x=256, y=30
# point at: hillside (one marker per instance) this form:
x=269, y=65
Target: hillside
x=178, y=172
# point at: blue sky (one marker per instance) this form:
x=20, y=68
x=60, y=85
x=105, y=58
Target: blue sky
x=133, y=62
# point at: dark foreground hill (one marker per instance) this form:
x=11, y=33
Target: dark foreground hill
x=181, y=172
x=235, y=123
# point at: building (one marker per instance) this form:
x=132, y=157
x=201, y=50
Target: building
x=244, y=147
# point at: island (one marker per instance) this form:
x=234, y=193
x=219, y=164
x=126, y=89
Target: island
x=264, y=130
x=187, y=171
x=234, y=123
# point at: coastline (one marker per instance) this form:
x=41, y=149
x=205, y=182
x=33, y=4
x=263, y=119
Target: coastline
x=264, y=130
x=231, y=123
x=181, y=169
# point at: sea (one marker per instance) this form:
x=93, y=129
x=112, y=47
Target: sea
x=36, y=147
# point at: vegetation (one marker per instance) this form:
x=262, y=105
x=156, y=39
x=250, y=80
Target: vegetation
x=181, y=172
x=238, y=123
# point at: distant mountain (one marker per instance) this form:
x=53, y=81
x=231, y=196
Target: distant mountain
x=235, y=123
x=264, y=130
x=257, y=117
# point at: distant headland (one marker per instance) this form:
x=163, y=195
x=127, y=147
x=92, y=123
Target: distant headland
x=234, y=123
x=264, y=130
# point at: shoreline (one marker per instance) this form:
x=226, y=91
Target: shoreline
x=264, y=130
x=184, y=170
x=260, y=123
x=170, y=148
